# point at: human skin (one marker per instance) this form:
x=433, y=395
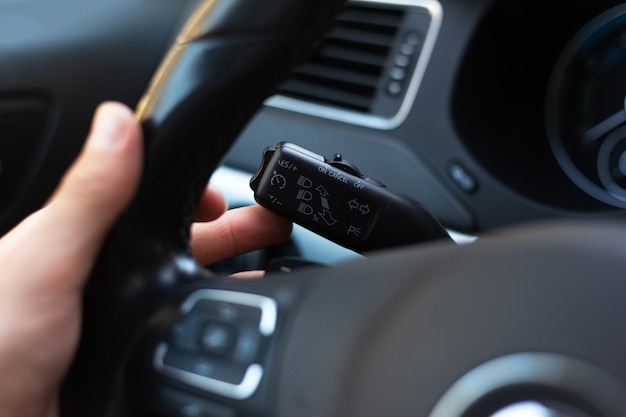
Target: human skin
x=46, y=260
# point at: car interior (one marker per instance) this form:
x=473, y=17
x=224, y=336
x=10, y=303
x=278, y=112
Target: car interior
x=469, y=159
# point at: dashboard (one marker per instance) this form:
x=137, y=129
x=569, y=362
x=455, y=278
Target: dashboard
x=481, y=110
x=483, y=141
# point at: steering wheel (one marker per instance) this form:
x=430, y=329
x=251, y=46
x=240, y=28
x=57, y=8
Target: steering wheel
x=438, y=330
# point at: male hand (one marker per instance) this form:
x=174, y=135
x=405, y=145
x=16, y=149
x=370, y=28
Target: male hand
x=45, y=260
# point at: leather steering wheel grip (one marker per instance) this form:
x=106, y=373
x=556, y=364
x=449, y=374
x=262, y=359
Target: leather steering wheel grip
x=228, y=59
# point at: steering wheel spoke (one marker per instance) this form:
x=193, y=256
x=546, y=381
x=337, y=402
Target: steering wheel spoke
x=213, y=350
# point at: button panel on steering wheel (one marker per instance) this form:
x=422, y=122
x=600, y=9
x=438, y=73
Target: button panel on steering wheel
x=216, y=345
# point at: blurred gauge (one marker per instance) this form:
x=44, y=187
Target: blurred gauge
x=585, y=111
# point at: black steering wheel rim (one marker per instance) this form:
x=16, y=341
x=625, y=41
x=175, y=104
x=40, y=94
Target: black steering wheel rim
x=226, y=61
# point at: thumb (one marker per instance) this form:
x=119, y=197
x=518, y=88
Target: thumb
x=47, y=258
x=104, y=178
x=65, y=236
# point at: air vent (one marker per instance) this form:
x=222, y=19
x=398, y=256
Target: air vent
x=347, y=69
x=368, y=68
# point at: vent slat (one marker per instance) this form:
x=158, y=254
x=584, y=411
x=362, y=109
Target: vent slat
x=373, y=17
x=360, y=36
x=357, y=45
x=356, y=57
x=338, y=85
x=321, y=94
x=334, y=75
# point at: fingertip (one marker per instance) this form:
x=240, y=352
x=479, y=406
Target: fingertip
x=70, y=229
x=282, y=227
x=113, y=125
x=104, y=178
x=256, y=274
x=238, y=231
x=212, y=204
x=265, y=227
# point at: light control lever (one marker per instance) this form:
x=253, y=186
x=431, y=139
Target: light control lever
x=334, y=199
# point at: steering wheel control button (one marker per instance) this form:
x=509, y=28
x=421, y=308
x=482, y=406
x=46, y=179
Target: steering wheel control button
x=216, y=344
x=248, y=345
x=219, y=338
x=335, y=200
x=212, y=367
x=236, y=306
x=180, y=404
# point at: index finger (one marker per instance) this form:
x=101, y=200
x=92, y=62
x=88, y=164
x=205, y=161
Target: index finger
x=238, y=231
x=211, y=206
